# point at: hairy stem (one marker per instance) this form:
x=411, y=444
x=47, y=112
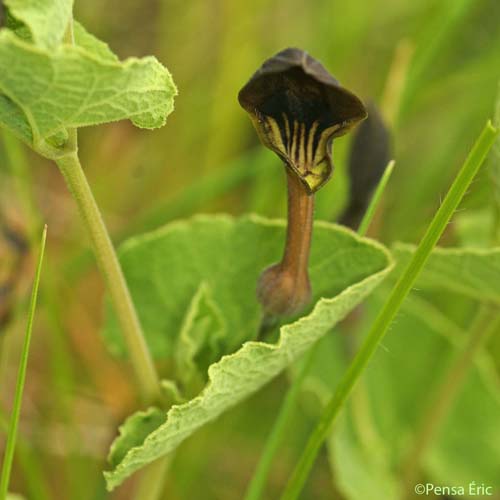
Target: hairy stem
x=110, y=267
x=390, y=309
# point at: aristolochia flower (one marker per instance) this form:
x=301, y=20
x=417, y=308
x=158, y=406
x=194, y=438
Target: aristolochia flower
x=297, y=108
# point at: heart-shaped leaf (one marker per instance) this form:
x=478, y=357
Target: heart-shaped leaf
x=49, y=86
x=165, y=270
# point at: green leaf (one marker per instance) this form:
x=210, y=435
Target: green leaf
x=47, y=20
x=472, y=272
x=13, y=118
x=18, y=27
x=74, y=89
x=474, y=228
x=45, y=93
x=219, y=252
x=227, y=256
x=91, y=44
x=360, y=471
x=371, y=441
x=134, y=432
x=468, y=447
x=171, y=393
x=200, y=338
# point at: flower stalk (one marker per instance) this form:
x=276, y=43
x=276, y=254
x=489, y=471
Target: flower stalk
x=297, y=108
x=284, y=288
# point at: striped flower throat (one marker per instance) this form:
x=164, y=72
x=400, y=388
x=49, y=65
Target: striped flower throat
x=304, y=147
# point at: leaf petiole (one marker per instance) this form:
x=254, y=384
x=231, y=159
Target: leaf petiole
x=107, y=261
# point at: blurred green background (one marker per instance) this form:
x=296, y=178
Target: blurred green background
x=432, y=66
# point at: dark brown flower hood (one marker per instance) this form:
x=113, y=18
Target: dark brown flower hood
x=297, y=108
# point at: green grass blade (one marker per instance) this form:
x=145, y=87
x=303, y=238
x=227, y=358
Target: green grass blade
x=21, y=377
x=62, y=374
x=258, y=482
x=390, y=309
x=370, y=212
